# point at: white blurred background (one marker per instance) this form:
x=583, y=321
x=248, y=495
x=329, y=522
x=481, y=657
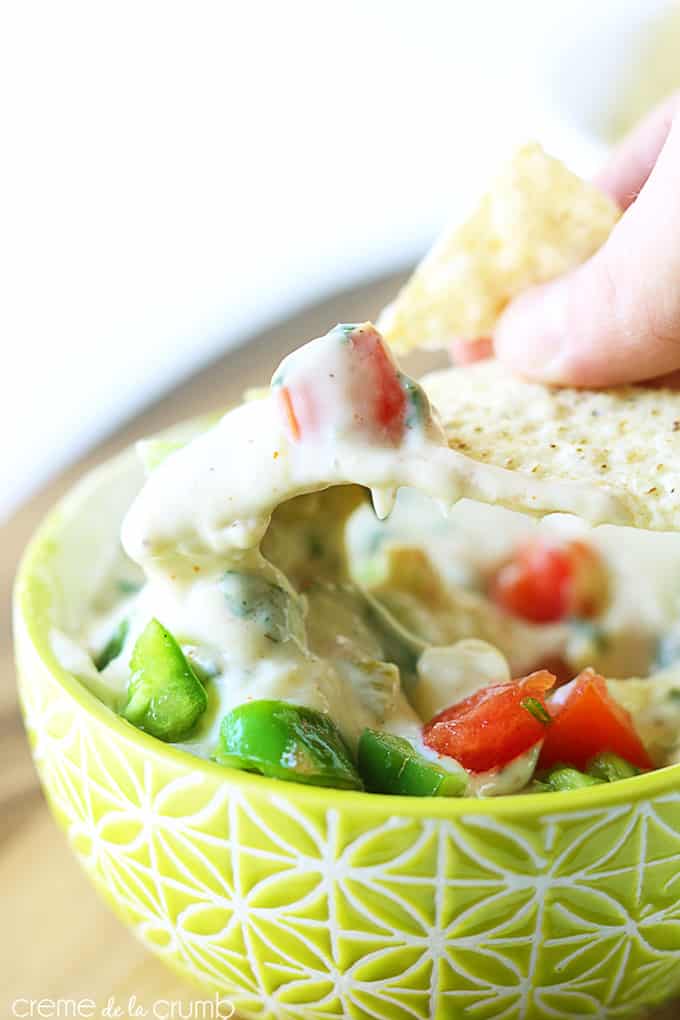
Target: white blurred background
x=177, y=176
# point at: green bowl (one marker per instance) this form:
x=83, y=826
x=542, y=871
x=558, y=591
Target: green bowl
x=296, y=902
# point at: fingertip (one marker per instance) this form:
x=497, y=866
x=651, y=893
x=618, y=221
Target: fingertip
x=531, y=335
x=563, y=333
x=588, y=329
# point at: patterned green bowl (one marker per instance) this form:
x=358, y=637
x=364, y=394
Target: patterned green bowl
x=295, y=902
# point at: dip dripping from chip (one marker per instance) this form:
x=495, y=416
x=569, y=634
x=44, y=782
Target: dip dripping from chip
x=340, y=412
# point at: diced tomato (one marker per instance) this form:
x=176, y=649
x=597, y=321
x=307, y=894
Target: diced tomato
x=493, y=726
x=546, y=581
x=365, y=392
x=587, y=722
x=376, y=381
x=535, y=583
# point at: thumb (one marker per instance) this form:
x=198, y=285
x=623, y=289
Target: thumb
x=616, y=318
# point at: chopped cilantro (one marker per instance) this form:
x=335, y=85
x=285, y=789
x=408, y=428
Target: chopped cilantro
x=538, y=710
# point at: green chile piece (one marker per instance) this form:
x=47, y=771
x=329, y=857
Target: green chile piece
x=286, y=741
x=603, y=768
x=113, y=646
x=389, y=764
x=165, y=697
x=562, y=778
x=609, y=767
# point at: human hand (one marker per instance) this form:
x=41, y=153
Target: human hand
x=616, y=318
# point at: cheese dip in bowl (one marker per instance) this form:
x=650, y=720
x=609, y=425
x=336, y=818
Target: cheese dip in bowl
x=337, y=737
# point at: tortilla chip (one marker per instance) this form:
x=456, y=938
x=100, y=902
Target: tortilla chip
x=624, y=442
x=538, y=220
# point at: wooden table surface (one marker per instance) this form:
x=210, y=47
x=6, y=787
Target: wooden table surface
x=57, y=941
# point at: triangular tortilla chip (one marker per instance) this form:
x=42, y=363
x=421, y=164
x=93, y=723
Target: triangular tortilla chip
x=537, y=221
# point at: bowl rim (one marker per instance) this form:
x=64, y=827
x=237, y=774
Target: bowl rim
x=32, y=606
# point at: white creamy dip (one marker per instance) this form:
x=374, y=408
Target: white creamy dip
x=241, y=538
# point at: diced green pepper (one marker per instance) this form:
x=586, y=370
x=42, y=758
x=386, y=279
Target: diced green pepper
x=389, y=764
x=609, y=767
x=113, y=646
x=286, y=741
x=563, y=778
x=165, y=697
x=603, y=768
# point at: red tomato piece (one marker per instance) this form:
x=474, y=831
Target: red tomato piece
x=544, y=581
x=589, y=722
x=376, y=380
x=493, y=726
x=366, y=392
